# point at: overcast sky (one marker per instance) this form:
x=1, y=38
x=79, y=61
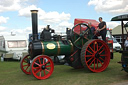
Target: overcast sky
x=15, y=14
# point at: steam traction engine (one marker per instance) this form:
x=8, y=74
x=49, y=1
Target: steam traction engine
x=79, y=48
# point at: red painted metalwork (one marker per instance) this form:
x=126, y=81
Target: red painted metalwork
x=97, y=56
x=93, y=22
x=25, y=64
x=42, y=67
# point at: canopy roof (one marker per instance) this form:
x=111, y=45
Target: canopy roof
x=120, y=18
x=92, y=21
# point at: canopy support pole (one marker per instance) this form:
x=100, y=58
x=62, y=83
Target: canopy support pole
x=122, y=25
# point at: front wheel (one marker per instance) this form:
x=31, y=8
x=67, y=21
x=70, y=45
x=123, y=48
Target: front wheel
x=25, y=64
x=42, y=67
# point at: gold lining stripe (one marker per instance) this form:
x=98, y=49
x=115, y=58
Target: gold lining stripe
x=42, y=47
x=58, y=47
x=71, y=45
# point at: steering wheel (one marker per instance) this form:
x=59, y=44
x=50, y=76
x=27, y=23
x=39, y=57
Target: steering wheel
x=80, y=34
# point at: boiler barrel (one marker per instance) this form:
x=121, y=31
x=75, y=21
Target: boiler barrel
x=56, y=48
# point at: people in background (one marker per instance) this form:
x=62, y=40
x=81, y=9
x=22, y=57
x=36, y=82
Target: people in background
x=92, y=28
x=102, y=29
x=126, y=43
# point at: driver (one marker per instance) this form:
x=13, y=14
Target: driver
x=102, y=29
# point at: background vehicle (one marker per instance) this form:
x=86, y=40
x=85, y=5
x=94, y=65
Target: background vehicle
x=116, y=45
x=13, y=46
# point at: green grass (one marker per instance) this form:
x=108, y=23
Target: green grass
x=11, y=74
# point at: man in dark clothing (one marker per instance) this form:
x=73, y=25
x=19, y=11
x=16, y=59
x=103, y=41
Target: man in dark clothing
x=102, y=29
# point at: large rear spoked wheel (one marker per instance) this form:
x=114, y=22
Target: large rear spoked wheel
x=95, y=55
x=25, y=64
x=42, y=67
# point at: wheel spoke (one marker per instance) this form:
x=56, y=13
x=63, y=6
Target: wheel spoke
x=97, y=46
x=100, y=62
x=101, y=51
x=43, y=60
x=89, y=51
x=97, y=63
x=91, y=48
x=86, y=38
x=36, y=68
x=89, y=55
x=90, y=59
x=37, y=71
x=39, y=61
x=80, y=29
x=27, y=68
x=77, y=40
x=24, y=61
x=36, y=63
x=44, y=72
x=25, y=65
x=46, y=62
x=100, y=47
x=40, y=73
x=86, y=31
x=91, y=62
x=101, y=58
x=48, y=66
x=47, y=70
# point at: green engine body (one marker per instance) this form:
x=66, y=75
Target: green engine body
x=54, y=48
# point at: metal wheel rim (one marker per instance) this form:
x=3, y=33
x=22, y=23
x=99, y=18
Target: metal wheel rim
x=94, y=63
x=24, y=65
x=40, y=73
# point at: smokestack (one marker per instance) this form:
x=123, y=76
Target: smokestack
x=34, y=24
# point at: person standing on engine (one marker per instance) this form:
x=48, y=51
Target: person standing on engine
x=102, y=29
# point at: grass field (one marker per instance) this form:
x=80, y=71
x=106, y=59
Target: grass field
x=11, y=74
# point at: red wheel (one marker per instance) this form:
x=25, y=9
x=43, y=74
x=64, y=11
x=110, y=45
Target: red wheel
x=42, y=67
x=95, y=55
x=25, y=64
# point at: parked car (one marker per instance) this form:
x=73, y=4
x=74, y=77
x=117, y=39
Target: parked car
x=13, y=46
x=116, y=45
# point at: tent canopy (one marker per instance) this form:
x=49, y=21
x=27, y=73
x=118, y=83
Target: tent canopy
x=120, y=18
